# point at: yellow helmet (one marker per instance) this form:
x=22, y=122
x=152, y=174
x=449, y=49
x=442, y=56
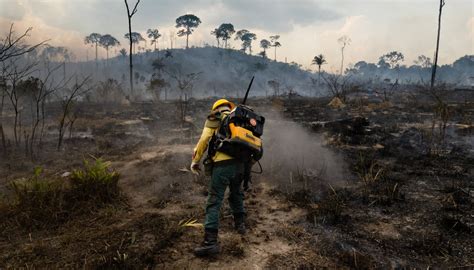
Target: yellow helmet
x=222, y=102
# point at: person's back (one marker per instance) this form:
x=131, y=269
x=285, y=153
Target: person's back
x=226, y=171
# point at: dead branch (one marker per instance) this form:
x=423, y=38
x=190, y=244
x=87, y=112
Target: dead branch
x=67, y=103
x=13, y=46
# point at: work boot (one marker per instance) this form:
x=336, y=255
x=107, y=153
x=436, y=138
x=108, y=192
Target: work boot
x=239, y=223
x=209, y=246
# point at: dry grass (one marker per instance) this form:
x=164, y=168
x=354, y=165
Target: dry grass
x=298, y=259
x=328, y=210
x=235, y=246
x=377, y=186
x=293, y=233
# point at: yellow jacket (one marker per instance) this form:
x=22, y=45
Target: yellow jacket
x=210, y=128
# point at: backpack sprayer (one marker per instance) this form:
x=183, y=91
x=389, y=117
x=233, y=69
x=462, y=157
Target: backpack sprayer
x=239, y=133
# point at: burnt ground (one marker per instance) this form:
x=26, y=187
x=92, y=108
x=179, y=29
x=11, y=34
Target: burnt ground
x=405, y=202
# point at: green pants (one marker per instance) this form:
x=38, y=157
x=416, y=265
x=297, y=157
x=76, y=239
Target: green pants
x=223, y=176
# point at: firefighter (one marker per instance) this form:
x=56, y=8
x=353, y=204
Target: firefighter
x=226, y=172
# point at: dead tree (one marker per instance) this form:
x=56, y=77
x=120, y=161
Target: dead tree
x=67, y=103
x=275, y=86
x=338, y=85
x=435, y=64
x=14, y=74
x=156, y=85
x=129, y=16
x=344, y=41
x=47, y=86
x=442, y=114
x=3, y=86
x=13, y=46
x=185, y=86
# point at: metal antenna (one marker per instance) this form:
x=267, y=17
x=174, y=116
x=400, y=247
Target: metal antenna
x=248, y=90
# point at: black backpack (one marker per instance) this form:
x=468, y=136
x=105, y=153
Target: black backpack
x=239, y=135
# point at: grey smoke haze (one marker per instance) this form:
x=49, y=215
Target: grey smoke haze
x=291, y=151
x=226, y=73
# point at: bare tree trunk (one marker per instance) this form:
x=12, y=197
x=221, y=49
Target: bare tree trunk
x=15, y=124
x=319, y=73
x=42, y=123
x=19, y=128
x=61, y=132
x=435, y=64
x=129, y=16
x=275, y=53
x=130, y=53
x=2, y=132
x=342, y=60
x=35, y=126
x=71, y=125
x=4, y=143
x=187, y=41
x=64, y=70
x=96, y=57
x=26, y=142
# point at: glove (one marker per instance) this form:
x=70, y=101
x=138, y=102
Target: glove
x=195, y=168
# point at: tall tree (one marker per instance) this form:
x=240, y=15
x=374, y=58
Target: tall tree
x=135, y=38
x=240, y=34
x=218, y=34
x=154, y=35
x=188, y=22
x=275, y=43
x=226, y=31
x=94, y=40
x=57, y=54
x=319, y=60
x=129, y=16
x=344, y=41
x=435, y=64
x=246, y=37
x=107, y=41
x=423, y=61
x=265, y=44
x=123, y=53
x=393, y=59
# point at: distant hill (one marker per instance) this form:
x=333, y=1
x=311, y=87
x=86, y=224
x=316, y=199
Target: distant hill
x=221, y=72
x=226, y=72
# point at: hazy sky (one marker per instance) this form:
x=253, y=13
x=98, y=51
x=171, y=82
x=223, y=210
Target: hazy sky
x=307, y=27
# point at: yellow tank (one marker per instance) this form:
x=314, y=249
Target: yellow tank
x=240, y=134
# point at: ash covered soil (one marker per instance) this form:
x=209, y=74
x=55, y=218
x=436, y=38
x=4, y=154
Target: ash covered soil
x=373, y=189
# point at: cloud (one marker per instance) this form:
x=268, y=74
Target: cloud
x=470, y=27
x=276, y=16
x=42, y=31
x=306, y=27
x=12, y=9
